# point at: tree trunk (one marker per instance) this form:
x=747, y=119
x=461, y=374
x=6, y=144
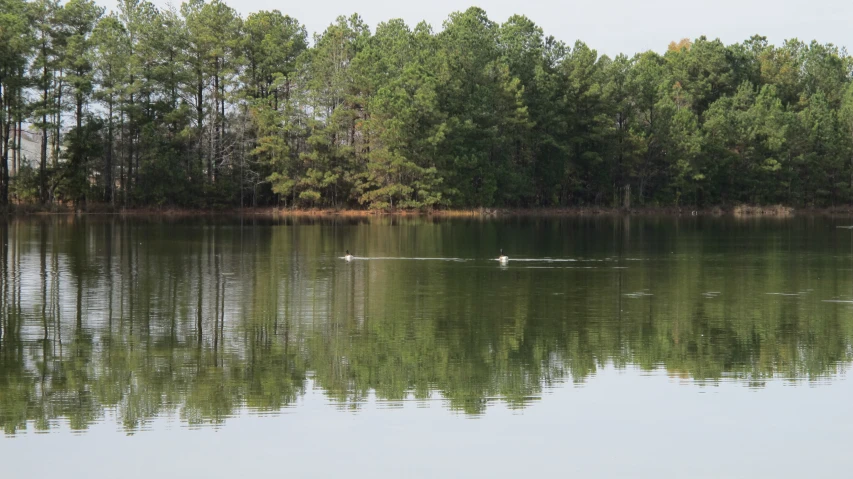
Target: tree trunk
x=43, y=160
x=128, y=189
x=217, y=142
x=14, y=148
x=122, y=172
x=200, y=119
x=4, y=164
x=79, y=112
x=5, y=132
x=58, y=135
x=108, y=168
x=20, y=141
x=45, y=95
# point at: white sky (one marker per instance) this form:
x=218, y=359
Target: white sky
x=611, y=27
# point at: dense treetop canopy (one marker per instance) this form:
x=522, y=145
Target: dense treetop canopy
x=199, y=107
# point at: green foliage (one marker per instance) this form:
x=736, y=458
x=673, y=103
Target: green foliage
x=25, y=186
x=203, y=102
x=15, y=46
x=84, y=147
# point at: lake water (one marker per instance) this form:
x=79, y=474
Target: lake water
x=606, y=347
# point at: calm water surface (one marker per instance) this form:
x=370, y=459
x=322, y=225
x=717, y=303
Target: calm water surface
x=607, y=347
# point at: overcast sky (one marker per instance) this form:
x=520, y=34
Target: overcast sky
x=610, y=26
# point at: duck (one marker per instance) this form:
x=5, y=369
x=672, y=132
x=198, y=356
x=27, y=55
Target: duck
x=503, y=258
x=348, y=256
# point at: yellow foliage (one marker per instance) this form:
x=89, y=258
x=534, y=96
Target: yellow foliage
x=683, y=44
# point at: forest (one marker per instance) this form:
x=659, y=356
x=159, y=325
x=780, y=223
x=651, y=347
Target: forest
x=199, y=107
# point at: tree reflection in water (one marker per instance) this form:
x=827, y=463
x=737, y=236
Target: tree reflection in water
x=206, y=318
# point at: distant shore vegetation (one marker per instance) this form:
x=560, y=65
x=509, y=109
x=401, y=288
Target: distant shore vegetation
x=199, y=107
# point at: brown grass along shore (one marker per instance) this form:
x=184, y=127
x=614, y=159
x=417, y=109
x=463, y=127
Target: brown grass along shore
x=738, y=211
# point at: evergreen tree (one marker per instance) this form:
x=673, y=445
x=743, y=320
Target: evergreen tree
x=202, y=108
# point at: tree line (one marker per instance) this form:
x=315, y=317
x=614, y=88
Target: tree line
x=199, y=107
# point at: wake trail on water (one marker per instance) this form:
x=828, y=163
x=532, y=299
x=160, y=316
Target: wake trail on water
x=574, y=267
x=570, y=260
x=401, y=258
x=541, y=260
x=463, y=260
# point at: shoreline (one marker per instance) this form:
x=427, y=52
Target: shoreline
x=740, y=211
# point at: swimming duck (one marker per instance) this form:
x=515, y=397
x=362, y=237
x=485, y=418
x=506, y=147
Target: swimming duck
x=503, y=258
x=348, y=256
